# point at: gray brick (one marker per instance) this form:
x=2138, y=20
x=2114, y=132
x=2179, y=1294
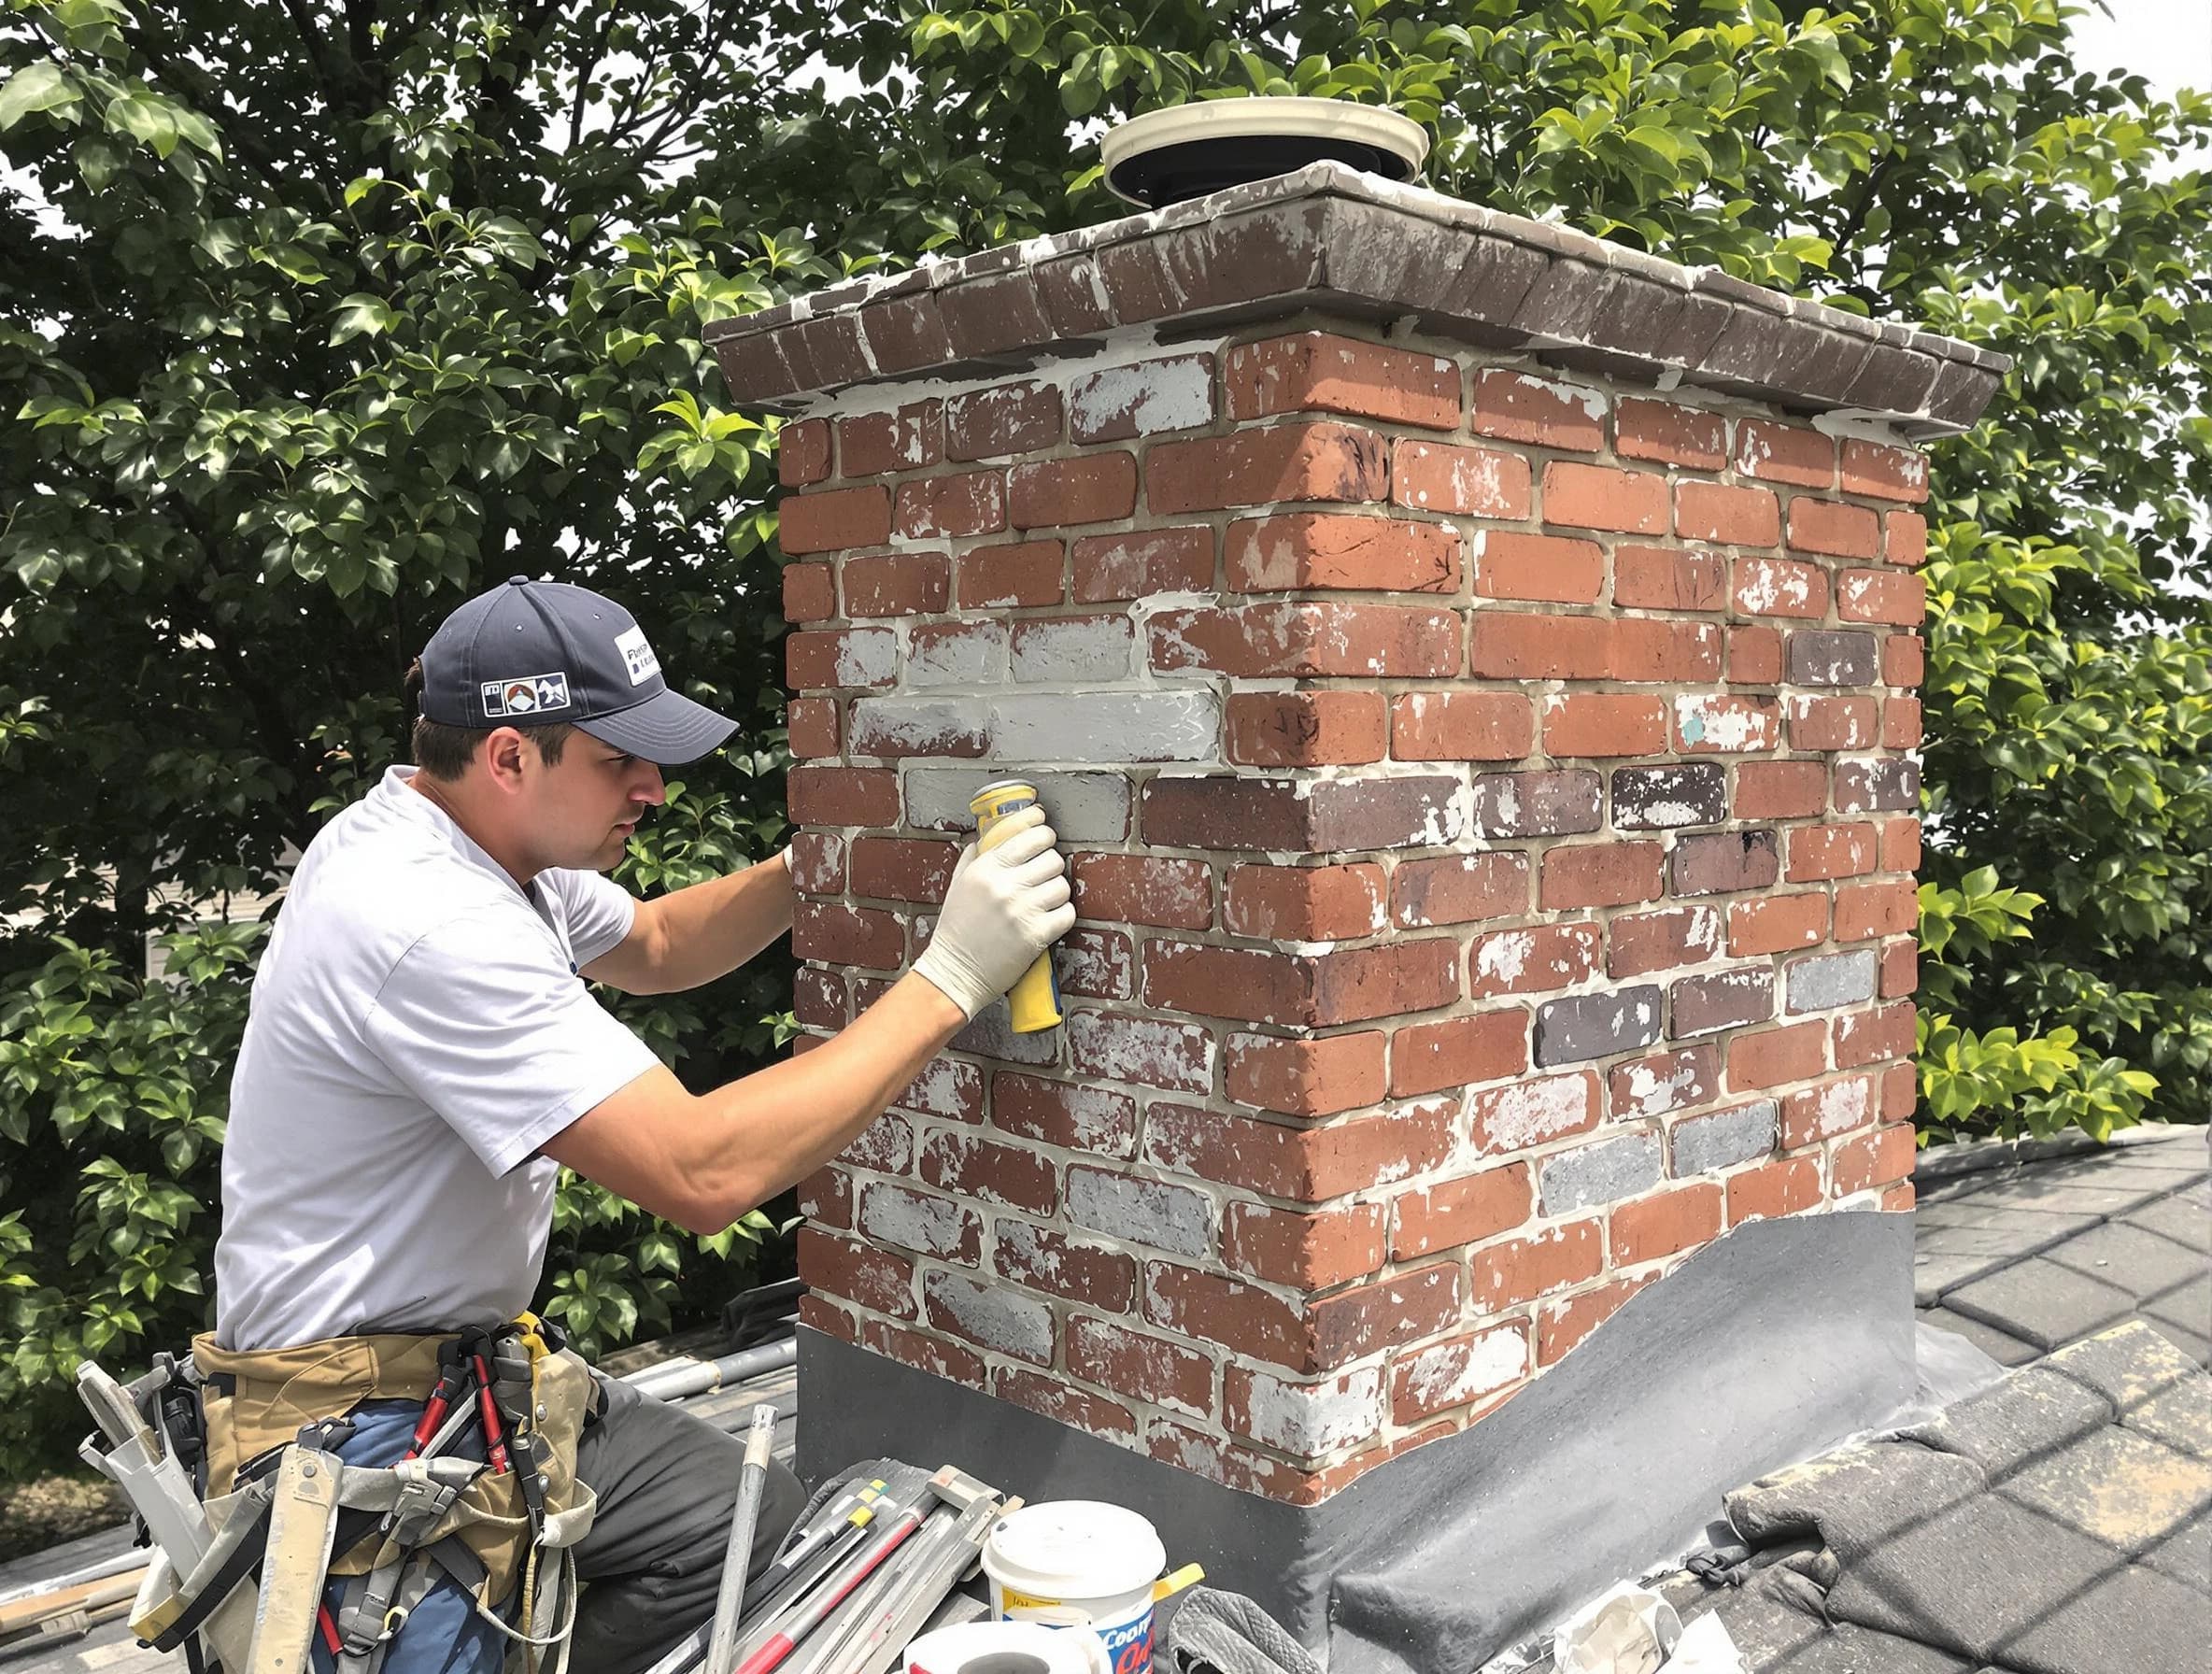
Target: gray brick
x=1832, y=657
x=1130, y=726
x=1727, y=998
x=1146, y=1211
x=990, y=1315
x=1084, y=807
x=1600, y=1173
x=1724, y=1139
x=1830, y=980
x=1074, y=648
x=1889, y=786
x=1592, y=1025
x=1658, y=799
x=1536, y=804
x=919, y=726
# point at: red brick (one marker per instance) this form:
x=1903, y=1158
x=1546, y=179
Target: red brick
x=1303, y=903
x=1826, y=723
x=1726, y=723
x=1510, y=565
x=1901, y=843
x=1642, y=648
x=1135, y=563
x=1873, y=1159
x=817, y=863
x=1147, y=1368
x=1304, y=990
x=983, y=1169
x=905, y=584
x=1875, y=1036
x=1839, y=531
x=825, y=1198
x=818, y=998
x=1427, y=1057
x=1674, y=436
x=876, y=444
x=903, y=868
x=1772, y=1057
x=842, y=795
x=1077, y=1116
x=835, y=518
x=1899, y=1198
x=1900, y=967
x=1722, y=862
x=1347, y=813
x=952, y=507
x=1665, y=1082
x=1302, y=1165
x=1438, y=477
x=1303, y=1077
x=1866, y=911
x=950, y=1088
x=810, y=592
x=1208, y=1455
x=1666, y=1223
x=1781, y=789
x=1883, y=473
x=840, y=657
x=1403, y=1308
x=1899, y=597
x=1776, y=923
x=1777, y=587
x=1789, y=1186
x=1817, y=852
x=1319, y=372
x=1823, y=1111
x=1526, y=646
x=1533, y=1111
x=1078, y=1408
x=1311, y=1249
x=1312, y=637
x=1639, y=942
x=1095, y=488
x=1598, y=497
x=1047, y=1259
x=1338, y=549
x=1519, y=1270
x=1260, y=468
x=1905, y=538
x=1534, y=961
x=1515, y=407
x=924, y=1352
x=1242, y=1318
x=1601, y=723
x=1561, y=1324
x=1754, y=656
x=1143, y=889
x=1005, y=419
x=1706, y=511
x=1465, y=1210
x=1900, y=1092
x=875, y=1279
x=1784, y=453
x=802, y=452
x=1668, y=578
x=1306, y=729
x=1025, y=573
x=1456, y=889
x=1600, y=875
x=1482, y=1368
x=1097, y=964
x=811, y=723
x=1462, y=726
x=1901, y=724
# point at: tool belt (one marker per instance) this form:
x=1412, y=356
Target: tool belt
x=249, y=1509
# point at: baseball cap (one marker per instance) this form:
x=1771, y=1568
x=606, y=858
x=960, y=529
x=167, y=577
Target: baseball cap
x=537, y=653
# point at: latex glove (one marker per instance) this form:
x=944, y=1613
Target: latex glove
x=1005, y=905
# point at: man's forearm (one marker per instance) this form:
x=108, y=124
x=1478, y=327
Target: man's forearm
x=709, y=929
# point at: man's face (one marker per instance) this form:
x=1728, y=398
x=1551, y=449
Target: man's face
x=589, y=803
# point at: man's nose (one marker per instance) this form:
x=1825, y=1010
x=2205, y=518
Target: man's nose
x=649, y=790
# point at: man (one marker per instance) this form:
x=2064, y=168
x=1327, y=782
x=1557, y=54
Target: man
x=422, y=1055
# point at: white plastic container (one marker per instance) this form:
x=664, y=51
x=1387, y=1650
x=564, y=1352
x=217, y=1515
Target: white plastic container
x=1079, y=1563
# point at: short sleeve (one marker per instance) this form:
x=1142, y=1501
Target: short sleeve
x=486, y=1027
x=598, y=911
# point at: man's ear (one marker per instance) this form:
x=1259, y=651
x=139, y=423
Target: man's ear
x=504, y=753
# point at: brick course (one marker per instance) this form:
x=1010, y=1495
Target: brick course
x=1485, y=798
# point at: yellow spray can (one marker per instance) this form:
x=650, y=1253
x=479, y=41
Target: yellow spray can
x=1034, y=1002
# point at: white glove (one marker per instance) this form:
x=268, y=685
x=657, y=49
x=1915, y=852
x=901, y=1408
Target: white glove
x=1005, y=905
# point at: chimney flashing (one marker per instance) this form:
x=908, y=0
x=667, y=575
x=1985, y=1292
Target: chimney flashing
x=1328, y=237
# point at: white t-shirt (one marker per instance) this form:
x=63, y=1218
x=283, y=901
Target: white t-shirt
x=417, y=1030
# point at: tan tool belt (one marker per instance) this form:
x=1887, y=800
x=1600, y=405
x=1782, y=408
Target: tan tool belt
x=258, y=1400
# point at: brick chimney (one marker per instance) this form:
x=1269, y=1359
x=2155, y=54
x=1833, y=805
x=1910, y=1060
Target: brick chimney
x=1471, y=668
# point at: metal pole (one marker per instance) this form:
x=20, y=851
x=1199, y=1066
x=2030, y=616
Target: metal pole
x=729, y=1602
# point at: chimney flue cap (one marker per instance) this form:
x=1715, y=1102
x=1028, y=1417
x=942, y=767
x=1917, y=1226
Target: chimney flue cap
x=1185, y=152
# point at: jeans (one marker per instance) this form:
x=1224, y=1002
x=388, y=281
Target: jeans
x=652, y=1563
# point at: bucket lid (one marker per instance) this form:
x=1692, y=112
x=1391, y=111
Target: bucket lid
x=1074, y=1549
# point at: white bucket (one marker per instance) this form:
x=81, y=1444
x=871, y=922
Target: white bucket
x=1079, y=1563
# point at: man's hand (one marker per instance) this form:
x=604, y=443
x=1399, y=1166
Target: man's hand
x=1005, y=905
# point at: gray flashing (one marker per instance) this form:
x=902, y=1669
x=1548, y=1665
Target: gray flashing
x=1765, y=1348
x=1328, y=237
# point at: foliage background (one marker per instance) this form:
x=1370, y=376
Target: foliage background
x=316, y=318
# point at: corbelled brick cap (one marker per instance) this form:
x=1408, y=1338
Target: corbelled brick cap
x=1328, y=237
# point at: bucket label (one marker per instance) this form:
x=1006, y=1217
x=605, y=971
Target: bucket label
x=1129, y=1642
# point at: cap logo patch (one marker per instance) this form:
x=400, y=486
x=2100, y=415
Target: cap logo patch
x=529, y=695
x=638, y=655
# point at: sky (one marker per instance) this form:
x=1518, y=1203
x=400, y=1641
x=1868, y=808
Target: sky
x=2169, y=42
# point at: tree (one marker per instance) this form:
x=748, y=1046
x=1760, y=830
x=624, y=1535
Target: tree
x=314, y=318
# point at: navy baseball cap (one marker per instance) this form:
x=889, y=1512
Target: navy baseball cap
x=537, y=653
